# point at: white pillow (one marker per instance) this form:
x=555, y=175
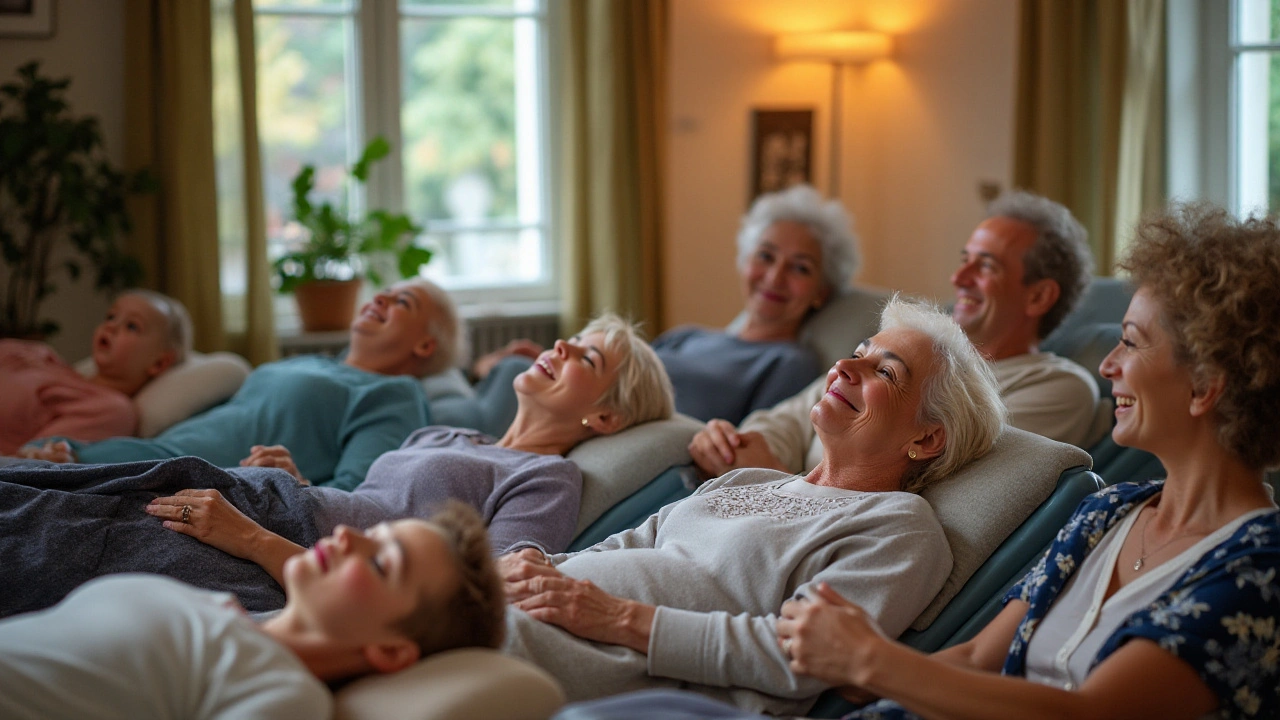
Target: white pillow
x=199, y=382
x=615, y=466
x=470, y=683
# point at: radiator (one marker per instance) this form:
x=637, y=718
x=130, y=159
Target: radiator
x=486, y=334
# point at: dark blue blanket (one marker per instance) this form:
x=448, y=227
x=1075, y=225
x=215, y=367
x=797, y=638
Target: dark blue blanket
x=62, y=525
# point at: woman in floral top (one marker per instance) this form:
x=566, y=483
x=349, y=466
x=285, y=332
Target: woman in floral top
x=1158, y=599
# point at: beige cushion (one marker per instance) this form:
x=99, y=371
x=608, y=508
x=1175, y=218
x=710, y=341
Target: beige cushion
x=198, y=383
x=989, y=498
x=615, y=466
x=471, y=683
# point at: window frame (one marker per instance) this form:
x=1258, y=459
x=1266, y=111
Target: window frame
x=375, y=94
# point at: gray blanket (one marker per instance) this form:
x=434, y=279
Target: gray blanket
x=62, y=525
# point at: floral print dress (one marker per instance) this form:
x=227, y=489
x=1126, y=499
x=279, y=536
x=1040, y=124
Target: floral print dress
x=1220, y=616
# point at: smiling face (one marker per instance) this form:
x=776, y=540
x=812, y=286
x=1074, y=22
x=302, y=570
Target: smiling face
x=991, y=297
x=132, y=343
x=873, y=398
x=354, y=587
x=782, y=280
x=391, y=333
x=569, y=379
x=1153, y=392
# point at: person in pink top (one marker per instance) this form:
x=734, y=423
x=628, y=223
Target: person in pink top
x=143, y=334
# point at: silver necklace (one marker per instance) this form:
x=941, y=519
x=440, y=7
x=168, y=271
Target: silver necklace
x=1143, y=554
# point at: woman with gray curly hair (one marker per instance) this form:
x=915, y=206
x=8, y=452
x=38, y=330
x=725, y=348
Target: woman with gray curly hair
x=795, y=250
x=690, y=598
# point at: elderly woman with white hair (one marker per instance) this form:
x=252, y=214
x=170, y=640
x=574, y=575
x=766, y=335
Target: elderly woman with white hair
x=795, y=251
x=690, y=598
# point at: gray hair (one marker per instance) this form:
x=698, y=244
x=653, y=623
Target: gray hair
x=1060, y=253
x=444, y=326
x=961, y=395
x=641, y=390
x=828, y=222
x=178, y=329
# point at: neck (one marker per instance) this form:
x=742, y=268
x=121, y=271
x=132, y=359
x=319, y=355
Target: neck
x=540, y=433
x=322, y=657
x=127, y=387
x=1206, y=486
x=755, y=330
x=1004, y=348
x=871, y=475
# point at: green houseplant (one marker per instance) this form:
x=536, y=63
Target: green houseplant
x=338, y=249
x=56, y=188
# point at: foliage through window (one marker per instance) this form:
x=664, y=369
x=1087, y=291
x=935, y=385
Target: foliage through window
x=458, y=87
x=1255, y=48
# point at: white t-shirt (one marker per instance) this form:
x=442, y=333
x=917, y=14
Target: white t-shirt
x=145, y=646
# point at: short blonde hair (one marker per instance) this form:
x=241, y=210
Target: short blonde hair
x=641, y=390
x=961, y=395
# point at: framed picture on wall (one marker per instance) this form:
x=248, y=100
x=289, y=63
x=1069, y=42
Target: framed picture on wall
x=26, y=18
x=781, y=149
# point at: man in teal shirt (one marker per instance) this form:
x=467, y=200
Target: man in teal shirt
x=323, y=420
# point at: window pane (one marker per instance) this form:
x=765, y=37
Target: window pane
x=285, y=5
x=469, y=259
x=470, y=122
x=303, y=112
x=1258, y=131
x=521, y=5
x=1257, y=21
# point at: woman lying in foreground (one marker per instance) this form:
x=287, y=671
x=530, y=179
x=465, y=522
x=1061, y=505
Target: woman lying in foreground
x=690, y=598
x=1158, y=599
x=62, y=525
x=147, y=647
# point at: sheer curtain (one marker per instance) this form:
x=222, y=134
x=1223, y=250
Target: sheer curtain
x=609, y=75
x=1090, y=120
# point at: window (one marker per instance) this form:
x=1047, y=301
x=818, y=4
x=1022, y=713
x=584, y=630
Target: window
x=1224, y=102
x=459, y=88
x=1255, y=49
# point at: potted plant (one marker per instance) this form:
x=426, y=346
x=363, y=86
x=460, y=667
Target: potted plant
x=324, y=271
x=56, y=186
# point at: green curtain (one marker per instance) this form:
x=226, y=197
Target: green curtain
x=610, y=82
x=169, y=129
x=1090, y=112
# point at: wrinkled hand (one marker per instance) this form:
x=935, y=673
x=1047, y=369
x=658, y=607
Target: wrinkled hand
x=484, y=365
x=585, y=610
x=518, y=568
x=273, y=456
x=830, y=639
x=719, y=448
x=213, y=520
x=56, y=451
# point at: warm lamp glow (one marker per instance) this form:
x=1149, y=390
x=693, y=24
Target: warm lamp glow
x=840, y=47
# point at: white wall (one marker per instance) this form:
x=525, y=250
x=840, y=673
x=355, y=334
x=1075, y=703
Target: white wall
x=88, y=47
x=921, y=130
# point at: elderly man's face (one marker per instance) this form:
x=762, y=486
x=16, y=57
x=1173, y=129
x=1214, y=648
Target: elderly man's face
x=991, y=298
x=394, y=324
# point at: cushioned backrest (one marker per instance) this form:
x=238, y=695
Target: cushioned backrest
x=847, y=319
x=615, y=466
x=199, y=382
x=1093, y=328
x=989, y=498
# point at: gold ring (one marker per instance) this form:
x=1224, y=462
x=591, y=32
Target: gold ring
x=186, y=513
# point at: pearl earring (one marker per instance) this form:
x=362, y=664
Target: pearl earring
x=586, y=422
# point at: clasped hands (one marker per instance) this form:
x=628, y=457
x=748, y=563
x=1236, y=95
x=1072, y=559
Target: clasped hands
x=578, y=606
x=719, y=447
x=829, y=638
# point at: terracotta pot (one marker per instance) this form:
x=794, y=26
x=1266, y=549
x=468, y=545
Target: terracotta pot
x=327, y=305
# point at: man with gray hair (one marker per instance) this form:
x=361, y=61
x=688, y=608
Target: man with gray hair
x=1021, y=272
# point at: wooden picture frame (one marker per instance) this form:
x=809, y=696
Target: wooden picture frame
x=29, y=19
x=781, y=149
